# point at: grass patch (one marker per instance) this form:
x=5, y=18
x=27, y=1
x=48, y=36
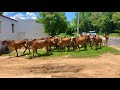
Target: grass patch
x=115, y=34
x=74, y=54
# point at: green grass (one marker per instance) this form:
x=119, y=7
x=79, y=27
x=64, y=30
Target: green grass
x=115, y=34
x=75, y=54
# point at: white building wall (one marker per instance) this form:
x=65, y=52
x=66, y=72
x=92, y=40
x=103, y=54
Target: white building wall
x=23, y=29
x=6, y=29
x=29, y=29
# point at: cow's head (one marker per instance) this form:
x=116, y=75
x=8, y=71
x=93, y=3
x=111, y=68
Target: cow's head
x=5, y=42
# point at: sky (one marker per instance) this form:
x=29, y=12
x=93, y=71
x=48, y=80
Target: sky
x=33, y=15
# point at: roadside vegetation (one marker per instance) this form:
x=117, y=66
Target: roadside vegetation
x=56, y=23
x=115, y=34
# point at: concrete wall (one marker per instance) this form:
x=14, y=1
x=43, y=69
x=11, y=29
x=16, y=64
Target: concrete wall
x=6, y=29
x=23, y=29
x=29, y=29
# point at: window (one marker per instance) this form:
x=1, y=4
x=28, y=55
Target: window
x=12, y=28
x=0, y=26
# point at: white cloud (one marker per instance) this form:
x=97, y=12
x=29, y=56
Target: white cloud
x=19, y=15
x=28, y=15
x=8, y=13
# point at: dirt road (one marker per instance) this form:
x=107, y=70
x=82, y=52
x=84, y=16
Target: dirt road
x=106, y=66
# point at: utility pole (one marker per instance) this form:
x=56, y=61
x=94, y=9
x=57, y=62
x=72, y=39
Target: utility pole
x=77, y=23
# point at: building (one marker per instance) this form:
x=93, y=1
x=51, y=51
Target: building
x=29, y=29
x=11, y=29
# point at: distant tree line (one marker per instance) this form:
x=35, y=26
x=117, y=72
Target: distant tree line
x=102, y=22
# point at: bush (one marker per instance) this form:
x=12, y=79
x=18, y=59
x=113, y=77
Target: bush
x=115, y=34
x=62, y=35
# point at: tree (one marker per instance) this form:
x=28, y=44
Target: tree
x=1, y=13
x=54, y=22
x=116, y=20
x=102, y=21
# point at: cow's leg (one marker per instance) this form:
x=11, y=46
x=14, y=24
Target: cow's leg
x=25, y=50
x=36, y=51
x=74, y=47
x=64, y=48
x=85, y=46
x=50, y=49
x=68, y=48
x=28, y=47
x=91, y=45
x=100, y=44
x=78, y=47
x=33, y=52
x=59, y=48
x=16, y=52
x=47, y=49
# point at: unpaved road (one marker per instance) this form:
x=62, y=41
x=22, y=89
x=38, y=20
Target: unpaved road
x=106, y=66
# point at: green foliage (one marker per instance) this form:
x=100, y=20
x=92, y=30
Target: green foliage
x=62, y=35
x=54, y=22
x=101, y=22
x=116, y=19
x=1, y=13
x=115, y=34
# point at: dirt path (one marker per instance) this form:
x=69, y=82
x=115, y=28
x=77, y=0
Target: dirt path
x=106, y=66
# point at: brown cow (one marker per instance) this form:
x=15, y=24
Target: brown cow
x=97, y=40
x=39, y=44
x=64, y=42
x=81, y=40
x=52, y=42
x=14, y=45
x=30, y=43
x=55, y=40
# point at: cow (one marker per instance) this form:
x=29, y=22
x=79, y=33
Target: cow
x=30, y=43
x=106, y=37
x=90, y=40
x=103, y=41
x=81, y=40
x=39, y=44
x=96, y=41
x=15, y=45
x=64, y=42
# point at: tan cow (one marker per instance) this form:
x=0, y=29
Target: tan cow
x=64, y=42
x=15, y=45
x=39, y=44
x=82, y=40
x=97, y=40
x=106, y=37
